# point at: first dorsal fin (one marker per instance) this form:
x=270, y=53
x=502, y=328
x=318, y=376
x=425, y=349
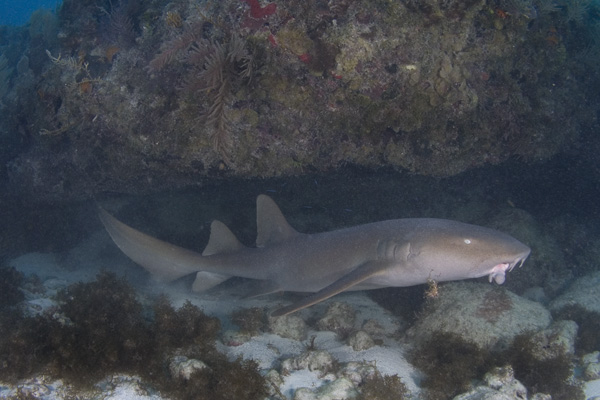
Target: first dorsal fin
x=221, y=240
x=271, y=225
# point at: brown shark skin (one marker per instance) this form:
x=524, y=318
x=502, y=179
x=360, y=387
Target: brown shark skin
x=401, y=252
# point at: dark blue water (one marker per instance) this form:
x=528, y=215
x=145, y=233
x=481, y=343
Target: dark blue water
x=17, y=12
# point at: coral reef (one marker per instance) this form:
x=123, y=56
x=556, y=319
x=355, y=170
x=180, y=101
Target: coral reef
x=171, y=92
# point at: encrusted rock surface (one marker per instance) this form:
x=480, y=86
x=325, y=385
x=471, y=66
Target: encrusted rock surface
x=360, y=340
x=558, y=338
x=339, y=318
x=500, y=384
x=582, y=292
x=183, y=367
x=487, y=315
x=174, y=92
x=289, y=326
x=591, y=365
x=313, y=360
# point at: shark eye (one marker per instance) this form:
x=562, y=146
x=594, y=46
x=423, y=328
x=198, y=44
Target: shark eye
x=467, y=241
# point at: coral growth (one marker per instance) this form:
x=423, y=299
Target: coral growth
x=432, y=87
x=212, y=66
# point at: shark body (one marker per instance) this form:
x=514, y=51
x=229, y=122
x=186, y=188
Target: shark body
x=401, y=252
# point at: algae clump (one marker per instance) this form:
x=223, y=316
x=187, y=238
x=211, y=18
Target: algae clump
x=100, y=328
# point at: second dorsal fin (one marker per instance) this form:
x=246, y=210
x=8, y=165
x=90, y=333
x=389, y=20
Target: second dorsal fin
x=272, y=227
x=222, y=240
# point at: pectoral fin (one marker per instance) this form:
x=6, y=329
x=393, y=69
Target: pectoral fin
x=261, y=288
x=358, y=275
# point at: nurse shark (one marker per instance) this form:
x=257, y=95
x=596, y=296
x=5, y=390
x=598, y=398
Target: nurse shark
x=399, y=252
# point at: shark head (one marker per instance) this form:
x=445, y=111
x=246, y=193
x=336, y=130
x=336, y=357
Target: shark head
x=452, y=250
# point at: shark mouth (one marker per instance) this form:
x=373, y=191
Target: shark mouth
x=498, y=273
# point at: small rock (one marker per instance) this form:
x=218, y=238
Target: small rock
x=558, y=339
x=339, y=318
x=591, y=358
x=500, y=385
x=276, y=381
x=318, y=360
x=183, y=367
x=288, y=326
x=374, y=328
x=582, y=292
x=536, y=294
x=591, y=365
x=360, y=340
x=592, y=372
x=503, y=380
x=357, y=372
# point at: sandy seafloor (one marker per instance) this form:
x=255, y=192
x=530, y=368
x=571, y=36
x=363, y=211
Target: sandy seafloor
x=267, y=349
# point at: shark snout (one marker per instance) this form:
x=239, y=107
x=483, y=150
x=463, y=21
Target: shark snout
x=498, y=272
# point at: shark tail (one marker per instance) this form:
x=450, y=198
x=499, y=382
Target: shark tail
x=167, y=262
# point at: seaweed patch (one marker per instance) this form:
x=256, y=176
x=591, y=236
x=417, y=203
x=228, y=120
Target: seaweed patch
x=100, y=328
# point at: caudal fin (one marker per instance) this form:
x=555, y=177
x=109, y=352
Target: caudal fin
x=165, y=261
